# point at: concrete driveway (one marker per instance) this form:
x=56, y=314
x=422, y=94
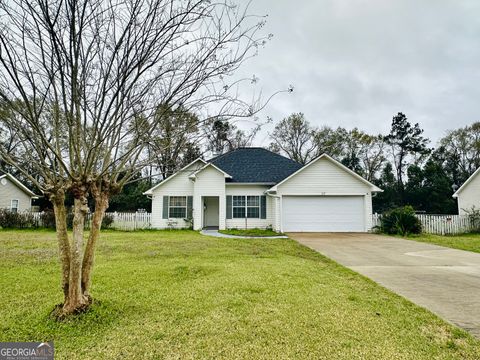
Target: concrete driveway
x=445, y=281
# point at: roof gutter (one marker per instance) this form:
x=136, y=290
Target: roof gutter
x=250, y=183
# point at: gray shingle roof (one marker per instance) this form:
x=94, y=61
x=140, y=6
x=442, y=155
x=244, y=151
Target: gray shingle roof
x=255, y=165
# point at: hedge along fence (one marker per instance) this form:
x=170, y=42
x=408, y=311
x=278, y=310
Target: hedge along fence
x=17, y=220
x=440, y=224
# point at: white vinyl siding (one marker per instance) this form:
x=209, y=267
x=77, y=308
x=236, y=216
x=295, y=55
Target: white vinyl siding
x=368, y=211
x=275, y=212
x=250, y=223
x=180, y=185
x=9, y=192
x=469, y=196
x=323, y=176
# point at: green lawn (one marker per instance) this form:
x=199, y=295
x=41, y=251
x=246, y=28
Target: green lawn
x=250, y=232
x=469, y=242
x=180, y=295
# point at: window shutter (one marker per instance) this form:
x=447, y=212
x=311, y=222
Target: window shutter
x=229, y=206
x=165, y=207
x=189, y=207
x=263, y=207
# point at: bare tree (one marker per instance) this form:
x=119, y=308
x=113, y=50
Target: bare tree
x=221, y=136
x=84, y=76
x=462, y=151
x=364, y=153
x=9, y=139
x=330, y=141
x=294, y=137
x=297, y=139
x=172, y=139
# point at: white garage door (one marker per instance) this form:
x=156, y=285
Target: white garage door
x=323, y=213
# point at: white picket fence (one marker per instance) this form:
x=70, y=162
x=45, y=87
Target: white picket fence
x=131, y=221
x=438, y=224
x=121, y=221
x=431, y=224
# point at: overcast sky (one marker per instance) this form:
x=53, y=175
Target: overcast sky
x=356, y=63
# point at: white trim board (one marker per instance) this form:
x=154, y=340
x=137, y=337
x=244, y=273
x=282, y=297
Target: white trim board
x=11, y=204
x=247, y=184
x=325, y=194
x=194, y=175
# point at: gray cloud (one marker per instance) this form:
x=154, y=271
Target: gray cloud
x=359, y=62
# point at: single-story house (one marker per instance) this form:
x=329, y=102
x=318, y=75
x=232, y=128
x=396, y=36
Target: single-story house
x=468, y=195
x=15, y=196
x=256, y=188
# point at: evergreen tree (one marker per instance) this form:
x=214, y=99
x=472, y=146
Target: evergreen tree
x=407, y=145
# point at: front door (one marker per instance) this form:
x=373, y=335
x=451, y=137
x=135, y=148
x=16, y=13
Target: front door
x=210, y=211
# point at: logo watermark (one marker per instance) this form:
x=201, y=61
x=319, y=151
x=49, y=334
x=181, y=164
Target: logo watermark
x=26, y=350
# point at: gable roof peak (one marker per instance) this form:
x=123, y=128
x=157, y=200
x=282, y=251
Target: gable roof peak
x=150, y=191
x=335, y=162
x=464, y=185
x=19, y=184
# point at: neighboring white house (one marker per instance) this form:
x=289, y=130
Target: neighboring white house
x=256, y=188
x=468, y=195
x=14, y=195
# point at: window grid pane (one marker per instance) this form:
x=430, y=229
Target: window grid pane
x=178, y=212
x=253, y=212
x=238, y=212
x=253, y=201
x=178, y=201
x=238, y=201
x=177, y=207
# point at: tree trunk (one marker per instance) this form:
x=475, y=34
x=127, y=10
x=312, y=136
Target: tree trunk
x=62, y=237
x=101, y=205
x=76, y=301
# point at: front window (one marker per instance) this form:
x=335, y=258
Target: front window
x=253, y=207
x=177, y=207
x=238, y=206
x=14, y=207
x=245, y=206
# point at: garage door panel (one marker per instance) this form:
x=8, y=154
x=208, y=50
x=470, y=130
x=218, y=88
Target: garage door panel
x=323, y=213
